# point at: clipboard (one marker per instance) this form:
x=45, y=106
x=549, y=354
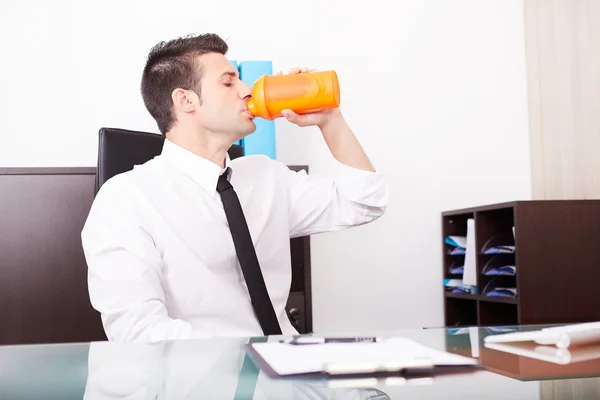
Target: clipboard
x=381, y=358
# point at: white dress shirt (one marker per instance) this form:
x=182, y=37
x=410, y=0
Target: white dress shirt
x=161, y=260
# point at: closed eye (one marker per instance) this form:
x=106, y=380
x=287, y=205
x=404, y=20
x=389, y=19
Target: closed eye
x=228, y=84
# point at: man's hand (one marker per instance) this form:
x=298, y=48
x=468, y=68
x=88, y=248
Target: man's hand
x=318, y=118
x=337, y=134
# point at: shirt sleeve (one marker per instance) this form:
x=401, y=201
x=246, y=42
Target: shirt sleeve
x=350, y=197
x=124, y=271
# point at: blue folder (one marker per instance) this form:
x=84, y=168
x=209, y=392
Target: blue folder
x=237, y=66
x=262, y=141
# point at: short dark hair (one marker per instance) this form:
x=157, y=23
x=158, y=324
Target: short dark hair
x=171, y=65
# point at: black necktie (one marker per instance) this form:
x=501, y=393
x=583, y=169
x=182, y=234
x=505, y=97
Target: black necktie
x=263, y=308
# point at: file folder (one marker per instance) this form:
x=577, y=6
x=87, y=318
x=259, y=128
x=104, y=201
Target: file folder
x=236, y=65
x=470, y=275
x=499, y=244
x=384, y=357
x=501, y=286
x=457, y=251
x=497, y=266
x=459, y=242
x=262, y=141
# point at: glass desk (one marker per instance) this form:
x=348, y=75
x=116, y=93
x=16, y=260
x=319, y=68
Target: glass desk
x=216, y=369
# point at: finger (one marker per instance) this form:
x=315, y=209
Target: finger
x=278, y=73
x=314, y=70
x=293, y=117
x=288, y=113
x=294, y=70
x=304, y=70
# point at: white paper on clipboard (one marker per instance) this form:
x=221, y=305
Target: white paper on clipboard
x=285, y=359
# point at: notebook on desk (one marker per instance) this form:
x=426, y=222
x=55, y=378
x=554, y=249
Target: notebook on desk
x=388, y=356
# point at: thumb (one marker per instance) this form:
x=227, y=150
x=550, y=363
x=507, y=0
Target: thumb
x=288, y=113
x=291, y=116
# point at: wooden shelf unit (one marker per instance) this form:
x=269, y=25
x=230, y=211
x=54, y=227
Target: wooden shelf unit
x=557, y=260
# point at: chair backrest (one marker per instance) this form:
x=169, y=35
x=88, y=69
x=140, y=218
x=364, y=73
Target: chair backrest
x=119, y=150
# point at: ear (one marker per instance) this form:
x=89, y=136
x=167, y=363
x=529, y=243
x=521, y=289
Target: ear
x=184, y=100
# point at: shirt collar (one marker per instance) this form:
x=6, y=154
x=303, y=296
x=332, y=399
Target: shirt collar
x=202, y=171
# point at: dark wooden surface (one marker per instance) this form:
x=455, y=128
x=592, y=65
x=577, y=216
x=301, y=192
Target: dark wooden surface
x=557, y=260
x=559, y=249
x=43, y=284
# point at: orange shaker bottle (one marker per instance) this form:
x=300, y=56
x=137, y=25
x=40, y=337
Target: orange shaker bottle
x=302, y=93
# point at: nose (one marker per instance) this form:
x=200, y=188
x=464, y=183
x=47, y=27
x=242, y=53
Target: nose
x=245, y=92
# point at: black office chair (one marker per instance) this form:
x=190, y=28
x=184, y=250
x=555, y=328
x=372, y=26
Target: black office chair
x=119, y=150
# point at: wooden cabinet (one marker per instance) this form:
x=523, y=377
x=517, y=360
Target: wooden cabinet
x=556, y=258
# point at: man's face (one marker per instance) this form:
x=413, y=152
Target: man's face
x=224, y=107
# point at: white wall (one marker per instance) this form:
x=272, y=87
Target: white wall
x=435, y=91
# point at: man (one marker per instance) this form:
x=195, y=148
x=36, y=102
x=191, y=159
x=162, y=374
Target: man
x=162, y=261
